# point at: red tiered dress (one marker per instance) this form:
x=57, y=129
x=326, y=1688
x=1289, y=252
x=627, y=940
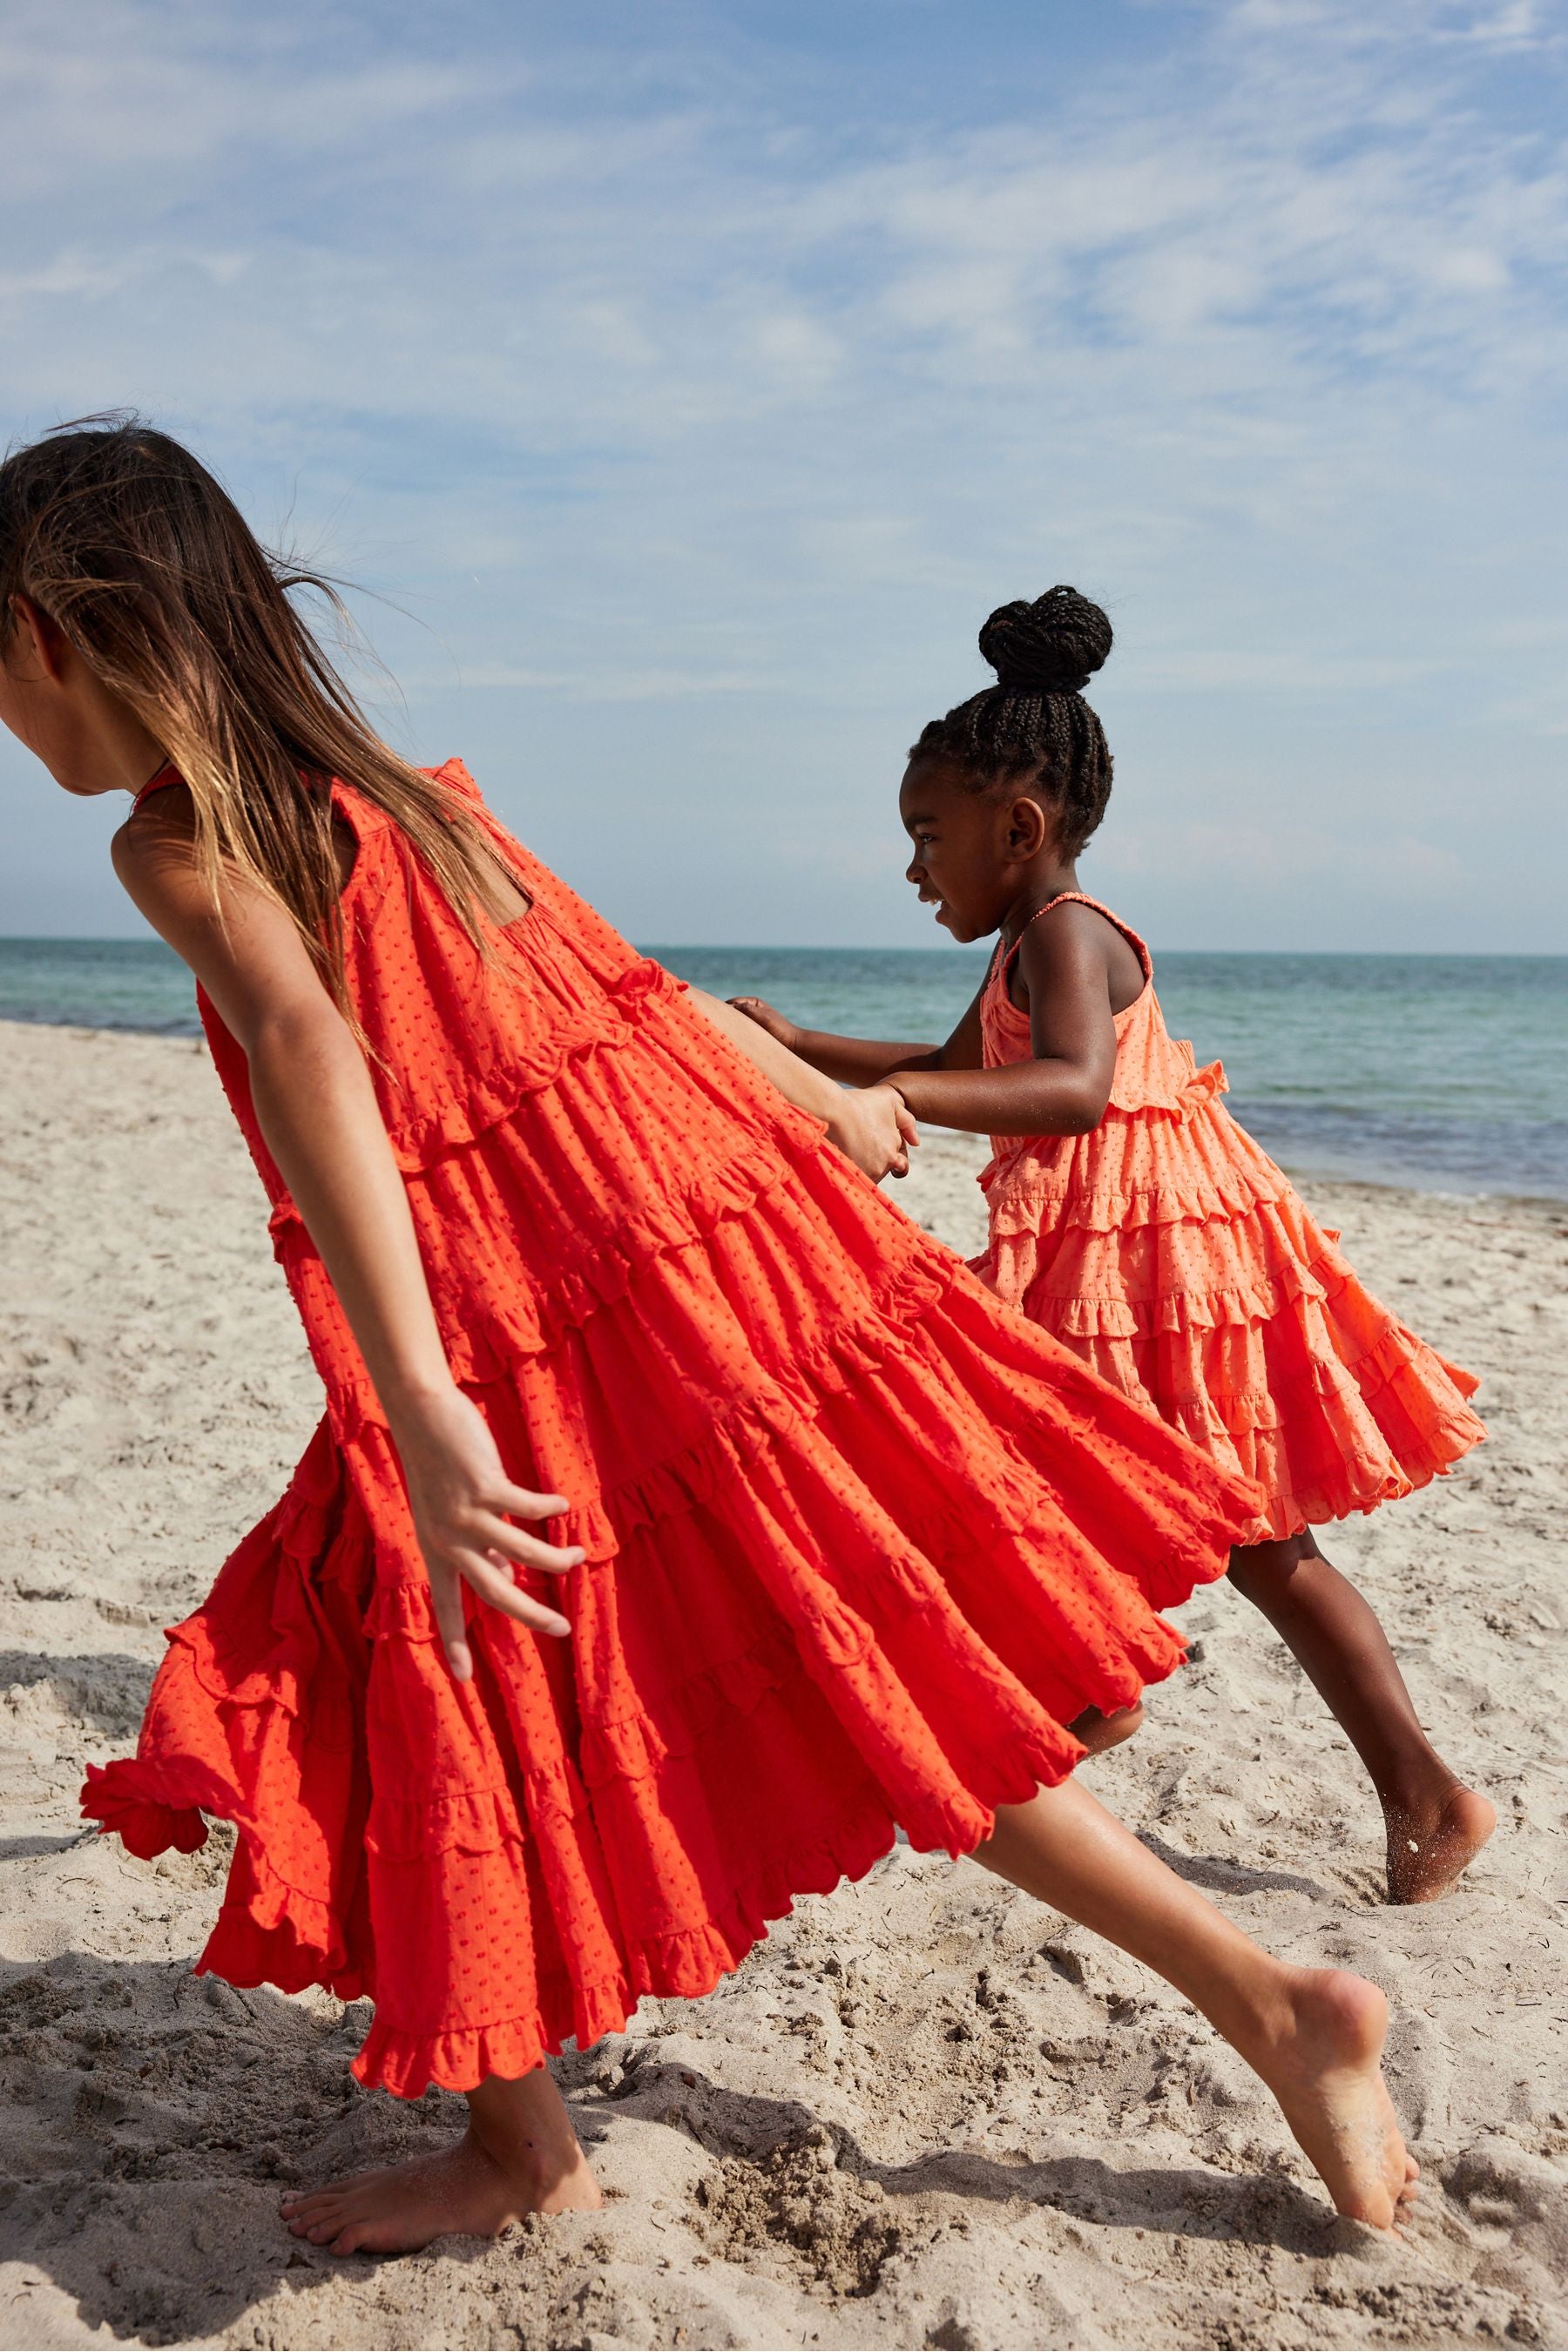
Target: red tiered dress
x=859, y=1541
x=1171, y=1254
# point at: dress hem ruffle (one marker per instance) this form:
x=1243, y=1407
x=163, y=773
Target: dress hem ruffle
x=1171, y=1255
x=283, y=1938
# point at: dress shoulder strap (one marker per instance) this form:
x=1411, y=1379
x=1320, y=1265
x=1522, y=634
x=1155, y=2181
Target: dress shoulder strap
x=1077, y=899
x=167, y=774
x=362, y=815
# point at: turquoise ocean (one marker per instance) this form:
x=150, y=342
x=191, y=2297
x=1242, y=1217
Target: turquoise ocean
x=1446, y=1073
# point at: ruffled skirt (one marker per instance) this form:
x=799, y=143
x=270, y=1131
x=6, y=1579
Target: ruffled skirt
x=860, y=1545
x=1169, y=1252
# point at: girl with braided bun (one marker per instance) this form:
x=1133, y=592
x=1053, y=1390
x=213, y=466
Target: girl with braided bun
x=605, y=1304
x=1133, y=1220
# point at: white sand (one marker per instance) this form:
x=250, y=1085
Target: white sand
x=925, y=2112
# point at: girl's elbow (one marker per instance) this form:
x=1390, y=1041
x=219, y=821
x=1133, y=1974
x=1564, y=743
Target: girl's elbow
x=1085, y=1110
x=283, y=1038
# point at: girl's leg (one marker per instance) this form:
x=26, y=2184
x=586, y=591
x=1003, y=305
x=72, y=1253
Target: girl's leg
x=1099, y=1732
x=1435, y=1825
x=519, y=2154
x=1314, y=2035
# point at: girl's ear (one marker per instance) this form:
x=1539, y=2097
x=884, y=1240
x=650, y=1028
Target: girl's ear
x=1028, y=827
x=37, y=635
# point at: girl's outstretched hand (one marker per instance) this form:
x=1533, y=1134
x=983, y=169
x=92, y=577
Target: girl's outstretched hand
x=873, y=1126
x=758, y=1009
x=463, y=1505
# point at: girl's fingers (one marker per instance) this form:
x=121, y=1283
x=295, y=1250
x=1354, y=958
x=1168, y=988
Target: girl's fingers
x=519, y=1504
x=758, y=1009
x=490, y=1581
x=446, y=1601
x=497, y=1535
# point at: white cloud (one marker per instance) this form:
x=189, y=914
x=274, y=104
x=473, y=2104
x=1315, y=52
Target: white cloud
x=645, y=380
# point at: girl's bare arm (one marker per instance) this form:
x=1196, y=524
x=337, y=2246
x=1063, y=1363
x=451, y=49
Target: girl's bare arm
x=319, y=1114
x=867, y=1060
x=1064, y=1088
x=873, y=1128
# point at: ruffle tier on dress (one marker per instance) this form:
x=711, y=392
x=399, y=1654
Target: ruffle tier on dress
x=1167, y=1250
x=860, y=1543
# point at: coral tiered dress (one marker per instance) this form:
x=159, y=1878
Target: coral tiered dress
x=1171, y=1253
x=859, y=1541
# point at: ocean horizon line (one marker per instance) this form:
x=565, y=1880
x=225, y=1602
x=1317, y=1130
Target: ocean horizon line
x=946, y=948
x=1409, y=1067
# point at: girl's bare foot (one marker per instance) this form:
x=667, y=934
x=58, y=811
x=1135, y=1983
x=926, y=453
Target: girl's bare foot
x=1428, y=1848
x=519, y=2154
x=1099, y=1732
x=1435, y=1825
x=1321, y=2054
x=1314, y=2035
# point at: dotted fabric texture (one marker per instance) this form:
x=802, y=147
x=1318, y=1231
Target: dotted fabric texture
x=860, y=1541
x=1171, y=1254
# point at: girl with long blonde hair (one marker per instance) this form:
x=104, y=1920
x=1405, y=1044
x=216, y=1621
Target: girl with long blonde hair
x=681, y=1518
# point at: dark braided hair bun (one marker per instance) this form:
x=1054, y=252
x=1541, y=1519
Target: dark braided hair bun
x=1051, y=647
x=1033, y=728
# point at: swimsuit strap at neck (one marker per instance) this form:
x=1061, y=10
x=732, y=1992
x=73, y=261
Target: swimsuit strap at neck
x=1077, y=899
x=167, y=774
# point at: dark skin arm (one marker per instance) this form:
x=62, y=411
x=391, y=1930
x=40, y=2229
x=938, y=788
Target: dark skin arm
x=1063, y=975
x=867, y=1061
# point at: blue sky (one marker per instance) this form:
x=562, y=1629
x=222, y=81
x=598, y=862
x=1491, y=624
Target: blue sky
x=691, y=380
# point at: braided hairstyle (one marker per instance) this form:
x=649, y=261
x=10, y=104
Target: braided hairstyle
x=1033, y=726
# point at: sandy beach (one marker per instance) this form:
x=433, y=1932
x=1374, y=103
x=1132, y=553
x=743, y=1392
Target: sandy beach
x=926, y=2111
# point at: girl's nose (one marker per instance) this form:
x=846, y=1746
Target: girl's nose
x=914, y=871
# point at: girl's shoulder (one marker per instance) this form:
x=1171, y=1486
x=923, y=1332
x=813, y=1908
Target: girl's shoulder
x=161, y=823
x=162, y=805
x=1074, y=939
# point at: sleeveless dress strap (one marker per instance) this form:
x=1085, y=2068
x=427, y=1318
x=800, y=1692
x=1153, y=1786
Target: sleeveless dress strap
x=1077, y=899
x=167, y=774
x=362, y=816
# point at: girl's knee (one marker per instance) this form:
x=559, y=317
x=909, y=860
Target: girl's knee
x=1259, y=1568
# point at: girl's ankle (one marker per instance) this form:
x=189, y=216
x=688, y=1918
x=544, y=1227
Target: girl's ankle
x=1419, y=1794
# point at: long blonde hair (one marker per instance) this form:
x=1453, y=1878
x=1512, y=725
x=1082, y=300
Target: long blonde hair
x=145, y=562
